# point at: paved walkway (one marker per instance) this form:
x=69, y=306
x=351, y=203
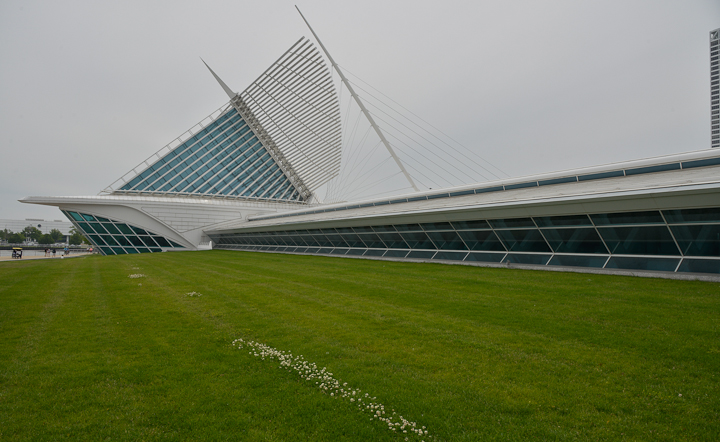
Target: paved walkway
x=58, y=256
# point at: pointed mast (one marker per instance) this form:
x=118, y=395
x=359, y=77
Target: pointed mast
x=361, y=105
x=225, y=87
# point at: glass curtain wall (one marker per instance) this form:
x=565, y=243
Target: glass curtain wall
x=685, y=240
x=117, y=238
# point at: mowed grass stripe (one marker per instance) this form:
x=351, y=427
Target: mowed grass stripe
x=474, y=354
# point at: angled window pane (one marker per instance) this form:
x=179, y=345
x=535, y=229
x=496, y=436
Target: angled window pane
x=310, y=240
x=710, y=214
x=85, y=227
x=98, y=228
x=162, y=242
x=109, y=240
x=646, y=240
x=578, y=261
x=574, y=241
x=374, y=253
x=481, y=240
x=119, y=251
x=562, y=221
x=352, y=239
x=393, y=240
x=450, y=256
x=447, y=240
x=396, y=253
x=88, y=217
x=111, y=228
x=336, y=240
x=383, y=228
x=522, y=258
x=642, y=263
x=650, y=217
x=148, y=241
x=76, y=216
x=134, y=240
x=417, y=240
x=698, y=239
x=700, y=265
x=484, y=257
x=523, y=240
x=511, y=223
x=468, y=225
x=437, y=226
x=97, y=240
x=138, y=230
x=408, y=227
x=371, y=240
x=124, y=228
x=121, y=240
x=421, y=254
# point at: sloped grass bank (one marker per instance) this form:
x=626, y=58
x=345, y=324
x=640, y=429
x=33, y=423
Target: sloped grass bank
x=88, y=353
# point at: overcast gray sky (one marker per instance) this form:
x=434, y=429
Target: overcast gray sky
x=89, y=89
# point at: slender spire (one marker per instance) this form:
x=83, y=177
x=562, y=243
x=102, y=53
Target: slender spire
x=360, y=104
x=225, y=87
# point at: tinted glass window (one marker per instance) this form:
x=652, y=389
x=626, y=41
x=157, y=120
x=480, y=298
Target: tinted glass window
x=393, y=240
x=372, y=240
x=111, y=228
x=450, y=256
x=698, y=240
x=521, y=258
x=481, y=240
x=523, y=240
x=574, y=240
x=485, y=257
x=436, y=226
x=511, y=223
x=651, y=217
x=700, y=265
x=650, y=240
x=467, y=225
x=417, y=240
x=447, y=240
x=562, y=221
x=578, y=261
x=711, y=214
x=641, y=263
x=408, y=227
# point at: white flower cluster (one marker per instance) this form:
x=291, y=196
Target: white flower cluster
x=328, y=384
x=193, y=294
x=136, y=275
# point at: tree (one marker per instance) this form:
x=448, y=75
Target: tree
x=76, y=238
x=4, y=234
x=56, y=235
x=32, y=233
x=46, y=239
x=16, y=238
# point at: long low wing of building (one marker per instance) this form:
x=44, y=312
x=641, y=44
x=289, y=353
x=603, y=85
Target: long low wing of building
x=654, y=214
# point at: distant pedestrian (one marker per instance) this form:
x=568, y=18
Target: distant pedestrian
x=47, y=252
x=53, y=253
x=66, y=251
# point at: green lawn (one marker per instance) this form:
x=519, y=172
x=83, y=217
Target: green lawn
x=87, y=353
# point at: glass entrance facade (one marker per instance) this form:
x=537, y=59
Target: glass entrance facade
x=118, y=238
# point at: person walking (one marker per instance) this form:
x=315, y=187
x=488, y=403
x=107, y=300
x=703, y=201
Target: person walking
x=53, y=253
